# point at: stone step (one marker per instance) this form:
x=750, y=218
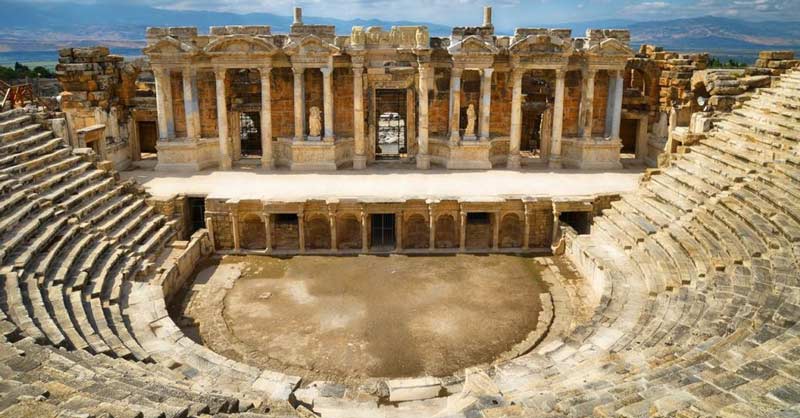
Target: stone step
x=49, y=232
x=715, y=182
x=45, y=264
x=726, y=239
x=724, y=165
x=38, y=162
x=11, y=113
x=63, y=317
x=669, y=197
x=16, y=309
x=28, y=137
x=671, y=183
x=39, y=312
x=14, y=122
x=36, y=179
x=21, y=132
x=9, y=161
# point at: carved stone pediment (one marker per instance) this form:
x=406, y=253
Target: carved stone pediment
x=239, y=45
x=310, y=45
x=540, y=44
x=170, y=46
x=610, y=47
x=473, y=45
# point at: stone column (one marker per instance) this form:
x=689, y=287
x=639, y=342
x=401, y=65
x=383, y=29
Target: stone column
x=423, y=155
x=616, y=119
x=210, y=228
x=265, y=217
x=364, y=235
x=225, y=162
x=587, y=103
x=327, y=106
x=526, y=238
x=166, y=123
x=558, y=121
x=431, y=230
x=266, y=119
x=190, y=105
x=516, y=120
x=301, y=230
x=556, y=224
x=462, y=236
x=455, y=106
x=398, y=231
x=486, y=102
x=332, y=220
x=496, y=231
x=299, y=104
x=360, y=159
x=235, y=228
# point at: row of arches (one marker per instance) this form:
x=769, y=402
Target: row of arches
x=415, y=234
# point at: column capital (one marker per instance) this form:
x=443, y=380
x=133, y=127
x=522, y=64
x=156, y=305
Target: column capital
x=589, y=72
x=298, y=71
x=189, y=70
x=560, y=73
x=358, y=71
x=265, y=70
x=219, y=73
x=517, y=73
x=456, y=72
x=326, y=71
x=487, y=72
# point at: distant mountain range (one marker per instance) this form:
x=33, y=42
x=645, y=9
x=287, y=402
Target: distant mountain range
x=33, y=26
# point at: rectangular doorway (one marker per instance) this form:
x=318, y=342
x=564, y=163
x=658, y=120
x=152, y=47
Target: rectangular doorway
x=391, y=110
x=148, y=135
x=250, y=134
x=197, y=214
x=383, y=234
x=628, y=132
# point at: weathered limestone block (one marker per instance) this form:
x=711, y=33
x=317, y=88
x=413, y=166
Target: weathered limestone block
x=413, y=389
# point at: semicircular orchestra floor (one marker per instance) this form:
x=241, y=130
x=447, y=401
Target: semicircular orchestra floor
x=350, y=318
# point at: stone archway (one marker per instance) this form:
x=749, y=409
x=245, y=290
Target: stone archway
x=348, y=232
x=446, y=232
x=417, y=233
x=252, y=232
x=318, y=233
x=510, y=231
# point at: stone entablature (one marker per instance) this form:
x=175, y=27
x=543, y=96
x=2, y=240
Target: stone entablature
x=404, y=57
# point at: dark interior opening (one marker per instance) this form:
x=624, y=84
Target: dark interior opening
x=383, y=233
x=286, y=219
x=197, y=214
x=250, y=133
x=581, y=222
x=148, y=134
x=391, y=124
x=479, y=218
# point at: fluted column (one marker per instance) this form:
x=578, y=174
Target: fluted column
x=360, y=159
x=190, y=105
x=462, y=233
x=558, y=121
x=235, y=228
x=266, y=119
x=455, y=106
x=301, y=231
x=587, y=103
x=332, y=221
x=299, y=104
x=486, y=102
x=526, y=238
x=431, y=230
x=327, y=103
x=423, y=155
x=225, y=162
x=166, y=123
x=496, y=231
x=616, y=119
x=516, y=119
x=364, y=235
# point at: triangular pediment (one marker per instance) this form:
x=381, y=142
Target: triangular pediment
x=611, y=47
x=310, y=45
x=240, y=44
x=170, y=45
x=473, y=45
x=540, y=44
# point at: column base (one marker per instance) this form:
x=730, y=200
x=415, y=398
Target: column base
x=513, y=162
x=328, y=139
x=423, y=162
x=359, y=162
x=554, y=162
x=267, y=164
x=225, y=163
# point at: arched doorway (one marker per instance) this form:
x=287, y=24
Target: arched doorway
x=318, y=233
x=446, y=232
x=417, y=232
x=252, y=232
x=510, y=232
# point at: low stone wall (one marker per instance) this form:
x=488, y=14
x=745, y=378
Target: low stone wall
x=178, y=268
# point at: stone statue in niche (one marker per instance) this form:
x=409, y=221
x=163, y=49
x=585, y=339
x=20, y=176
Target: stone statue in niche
x=422, y=37
x=314, y=123
x=469, y=133
x=358, y=39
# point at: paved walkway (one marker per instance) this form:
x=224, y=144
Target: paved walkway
x=386, y=185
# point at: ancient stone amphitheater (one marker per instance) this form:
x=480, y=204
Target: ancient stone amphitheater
x=698, y=271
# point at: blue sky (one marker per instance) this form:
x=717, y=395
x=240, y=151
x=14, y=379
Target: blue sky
x=507, y=12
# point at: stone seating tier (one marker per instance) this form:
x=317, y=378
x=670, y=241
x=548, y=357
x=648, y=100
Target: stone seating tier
x=697, y=309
